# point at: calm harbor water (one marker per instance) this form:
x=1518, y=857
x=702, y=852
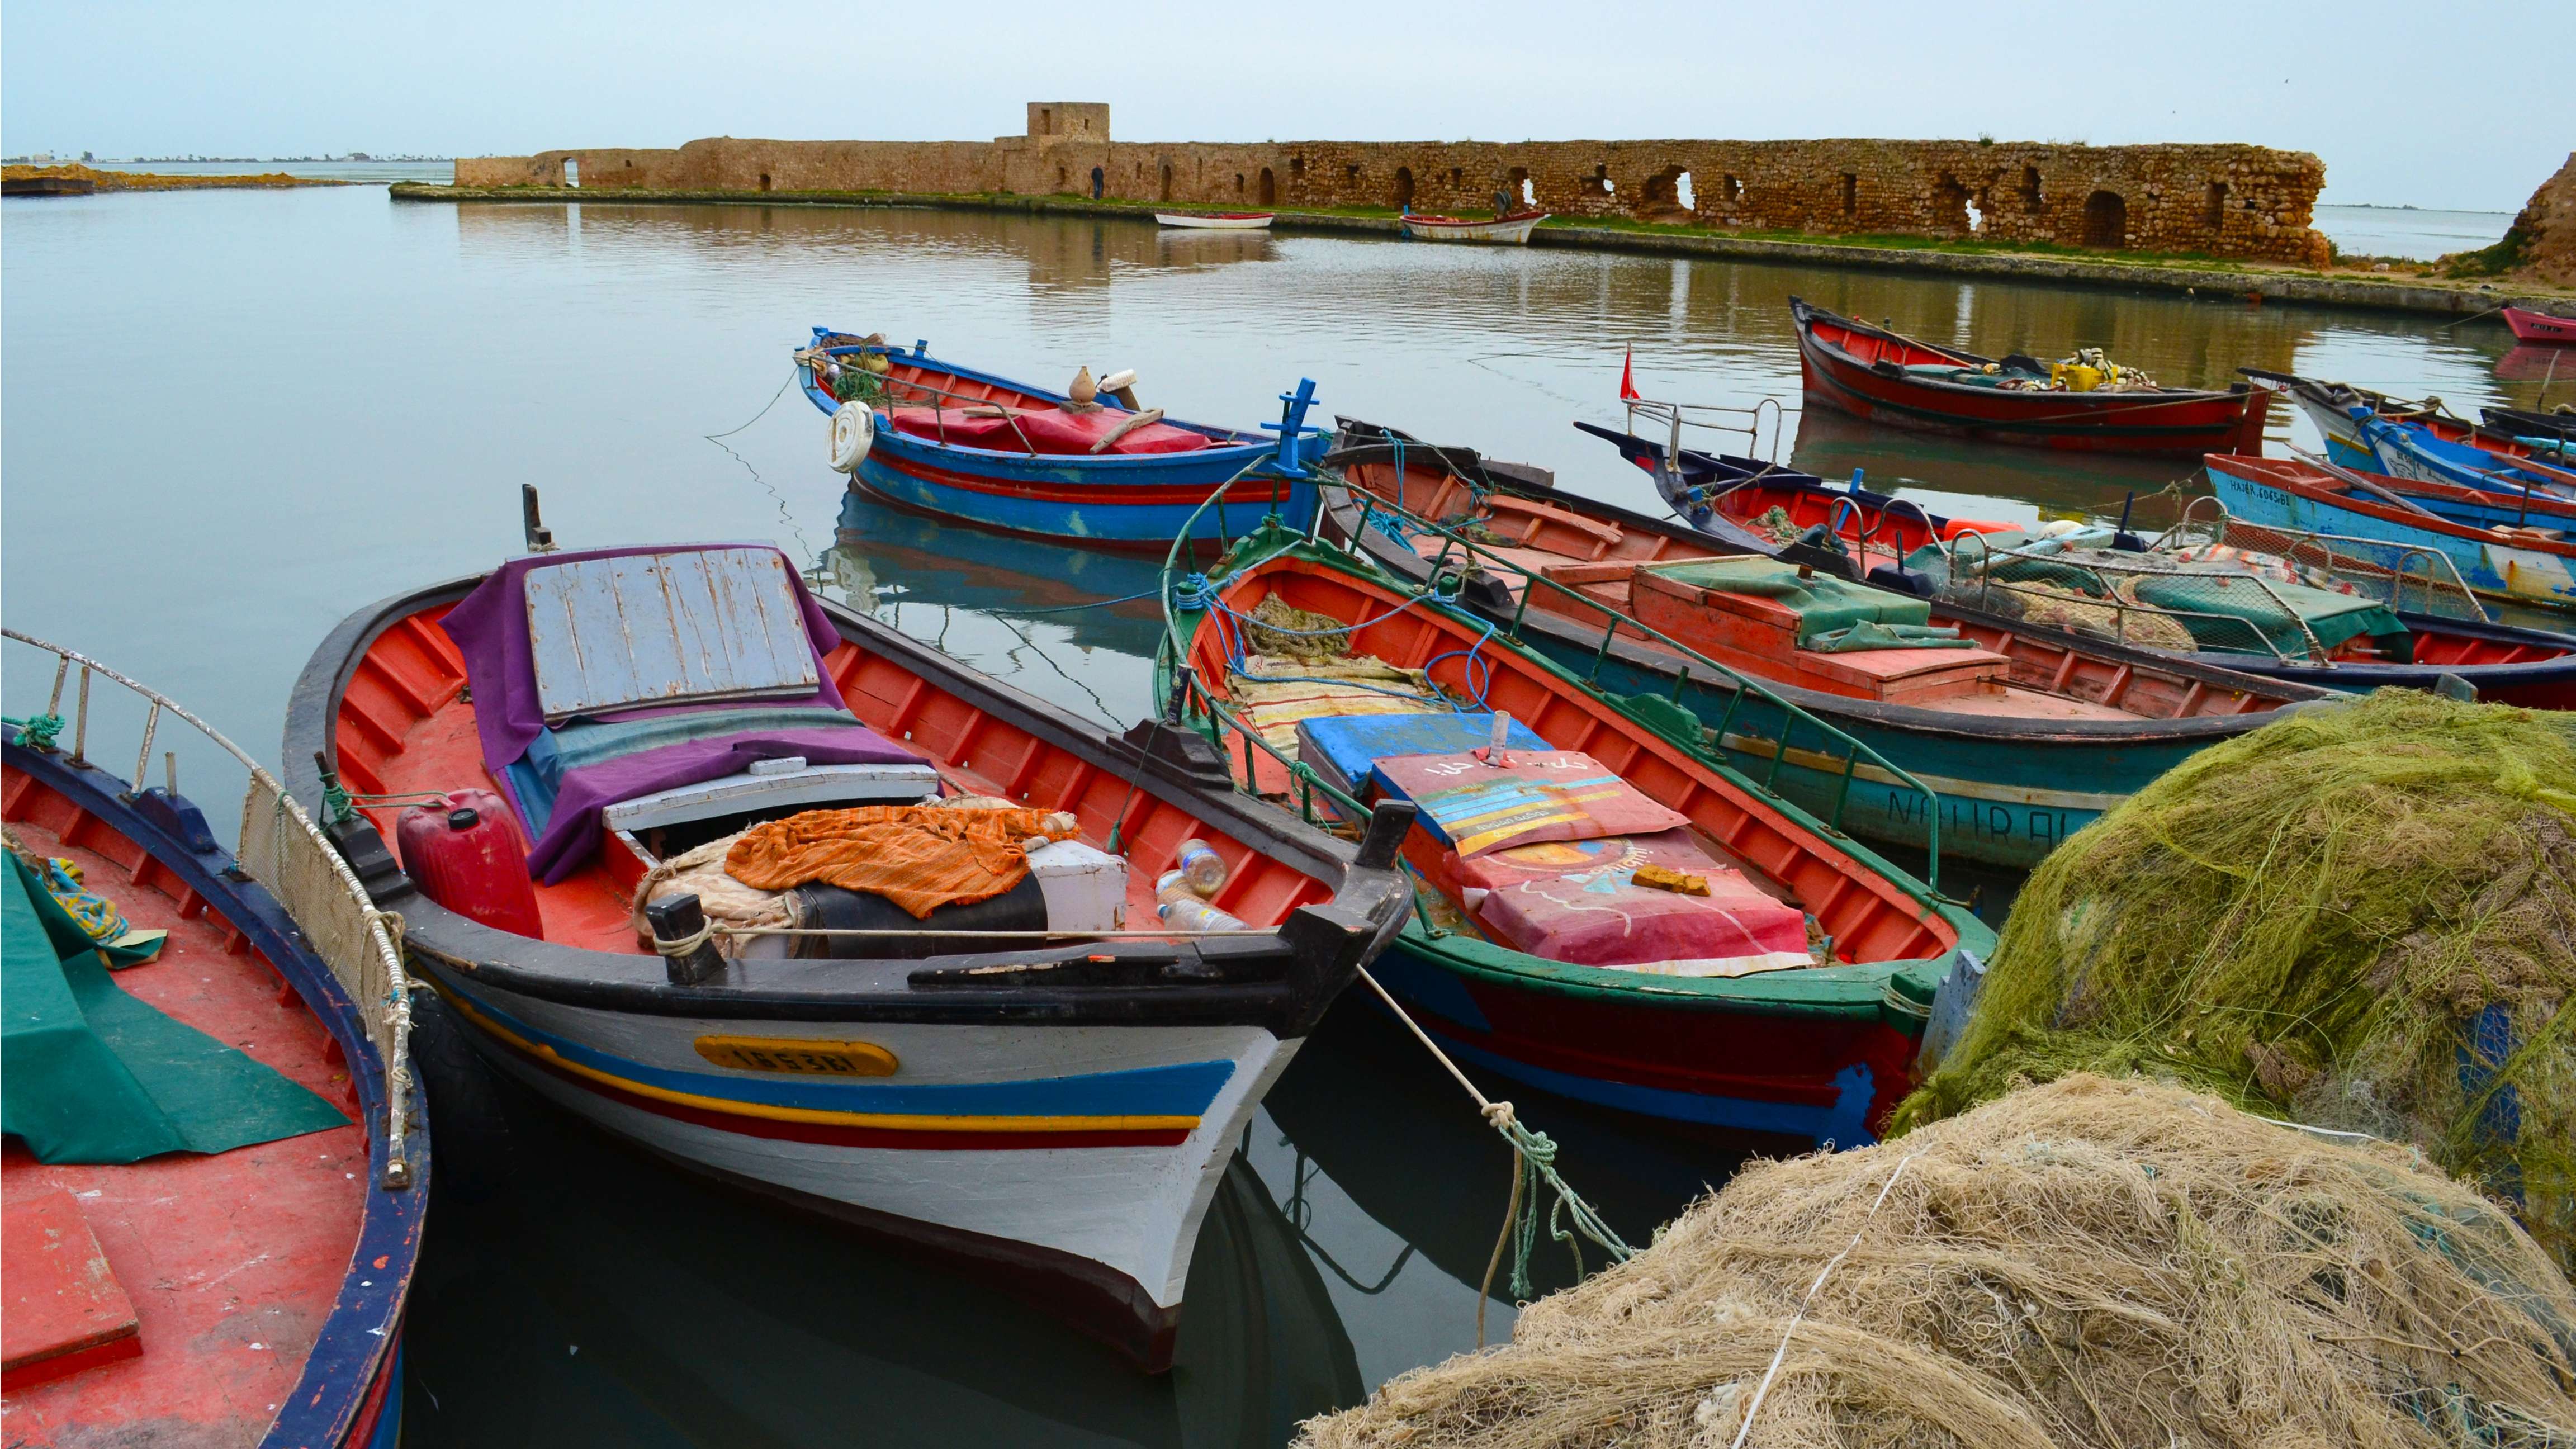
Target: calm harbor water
x=231, y=418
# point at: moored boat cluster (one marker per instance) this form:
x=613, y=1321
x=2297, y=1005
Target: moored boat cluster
x=1664, y=814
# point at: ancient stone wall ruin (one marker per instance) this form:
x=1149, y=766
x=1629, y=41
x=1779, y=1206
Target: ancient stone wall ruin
x=2220, y=200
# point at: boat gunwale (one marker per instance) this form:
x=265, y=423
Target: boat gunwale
x=364, y=1317
x=2319, y=486
x=822, y=990
x=1231, y=444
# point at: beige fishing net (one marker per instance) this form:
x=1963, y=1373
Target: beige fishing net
x=2093, y=1262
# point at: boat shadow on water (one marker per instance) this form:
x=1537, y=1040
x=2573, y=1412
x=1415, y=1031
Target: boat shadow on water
x=628, y=1302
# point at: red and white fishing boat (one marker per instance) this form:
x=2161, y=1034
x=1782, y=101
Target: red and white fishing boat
x=1217, y=220
x=217, y=1169
x=2530, y=326
x=1508, y=231
x=1904, y=382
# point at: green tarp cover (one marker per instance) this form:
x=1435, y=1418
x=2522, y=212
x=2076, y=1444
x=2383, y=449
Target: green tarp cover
x=1825, y=605
x=90, y=1074
x=2334, y=618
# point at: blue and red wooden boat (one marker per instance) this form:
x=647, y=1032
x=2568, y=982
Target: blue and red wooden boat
x=1904, y=382
x=973, y=447
x=217, y=1171
x=1737, y=1032
x=2419, y=439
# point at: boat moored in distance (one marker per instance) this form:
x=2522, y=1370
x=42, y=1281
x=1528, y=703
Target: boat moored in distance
x=1041, y=1084
x=1887, y=377
x=2534, y=428
x=218, y=1167
x=1747, y=503
x=1217, y=220
x=2515, y=548
x=971, y=447
x=2543, y=327
x=1775, y=983
x=2026, y=733
x=1511, y=230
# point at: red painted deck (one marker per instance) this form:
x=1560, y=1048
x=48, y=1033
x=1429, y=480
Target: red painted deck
x=404, y=727
x=232, y=1262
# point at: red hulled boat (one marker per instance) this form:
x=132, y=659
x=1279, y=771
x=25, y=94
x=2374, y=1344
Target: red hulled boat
x=1890, y=378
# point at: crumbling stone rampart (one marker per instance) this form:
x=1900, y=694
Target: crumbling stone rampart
x=2219, y=200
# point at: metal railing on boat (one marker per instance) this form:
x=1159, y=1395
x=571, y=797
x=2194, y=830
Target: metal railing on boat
x=1675, y=416
x=283, y=850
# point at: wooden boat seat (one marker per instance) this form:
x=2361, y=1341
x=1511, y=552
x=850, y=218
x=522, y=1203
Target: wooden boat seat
x=1731, y=627
x=1549, y=528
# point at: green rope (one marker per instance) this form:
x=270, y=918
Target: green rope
x=1534, y=1154
x=37, y=733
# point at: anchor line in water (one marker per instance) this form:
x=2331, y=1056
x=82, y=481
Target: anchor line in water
x=803, y=547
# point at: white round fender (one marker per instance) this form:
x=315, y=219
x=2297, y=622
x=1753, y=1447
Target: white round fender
x=854, y=431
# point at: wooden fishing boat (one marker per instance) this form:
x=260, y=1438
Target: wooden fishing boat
x=2531, y=326
x=968, y=446
x=2421, y=438
x=2446, y=632
x=2516, y=548
x=1904, y=382
x=1217, y=220
x=2526, y=425
x=2027, y=733
x=1018, y=1083
x=218, y=1170
x=1510, y=231
x=1718, y=1023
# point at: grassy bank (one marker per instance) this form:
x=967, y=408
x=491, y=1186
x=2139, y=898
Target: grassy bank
x=152, y=181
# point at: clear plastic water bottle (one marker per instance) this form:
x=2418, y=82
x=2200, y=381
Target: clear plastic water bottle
x=1192, y=914
x=1502, y=736
x=1200, y=865
x=1173, y=886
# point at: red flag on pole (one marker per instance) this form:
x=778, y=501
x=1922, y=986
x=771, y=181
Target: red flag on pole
x=1628, y=377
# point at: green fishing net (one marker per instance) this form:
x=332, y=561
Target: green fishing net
x=2361, y=917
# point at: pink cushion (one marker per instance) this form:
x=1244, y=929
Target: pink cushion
x=1576, y=901
x=1057, y=431
x=953, y=426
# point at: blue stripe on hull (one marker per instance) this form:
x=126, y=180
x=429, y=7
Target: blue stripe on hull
x=2259, y=504
x=1180, y=1090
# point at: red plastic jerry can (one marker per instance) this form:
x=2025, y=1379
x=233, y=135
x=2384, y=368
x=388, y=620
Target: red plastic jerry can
x=466, y=856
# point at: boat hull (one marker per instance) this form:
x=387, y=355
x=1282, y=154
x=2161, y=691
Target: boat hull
x=2530, y=326
x=1508, y=231
x=2102, y=422
x=1065, y=499
x=1820, y=1078
x=1088, y=1193
x=2490, y=566
x=1259, y=222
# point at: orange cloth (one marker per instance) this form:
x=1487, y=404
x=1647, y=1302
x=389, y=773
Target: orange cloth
x=920, y=857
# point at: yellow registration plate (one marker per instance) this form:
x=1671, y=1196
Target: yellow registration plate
x=792, y=1054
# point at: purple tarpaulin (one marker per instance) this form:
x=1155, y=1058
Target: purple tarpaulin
x=490, y=627
x=573, y=831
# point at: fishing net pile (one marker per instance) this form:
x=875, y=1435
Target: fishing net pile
x=2095, y=1262
x=2360, y=917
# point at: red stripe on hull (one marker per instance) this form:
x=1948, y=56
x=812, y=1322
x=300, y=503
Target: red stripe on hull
x=2087, y=422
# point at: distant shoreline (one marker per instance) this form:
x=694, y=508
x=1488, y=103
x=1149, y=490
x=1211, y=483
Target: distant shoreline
x=2217, y=280
x=97, y=180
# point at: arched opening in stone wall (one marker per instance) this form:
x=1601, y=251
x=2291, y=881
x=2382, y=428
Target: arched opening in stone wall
x=1851, y=193
x=1238, y=183
x=1099, y=182
x=2034, y=196
x=1977, y=214
x=1950, y=204
x=2106, y=219
x=1269, y=188
x=2213, y=213
x=1457, y=177
x=1730, y=189
x=1167, y=181
x=1063, y=179
x=1601, y=181
x=764, y=181
x=1402, y=192
x=572, y=171
x=1663, y=198
x=1046, y=120
x=1517, y=190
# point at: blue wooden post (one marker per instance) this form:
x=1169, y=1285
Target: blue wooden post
x=1291, y=427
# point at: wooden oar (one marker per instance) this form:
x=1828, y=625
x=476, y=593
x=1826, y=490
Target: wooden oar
x=2359, y=481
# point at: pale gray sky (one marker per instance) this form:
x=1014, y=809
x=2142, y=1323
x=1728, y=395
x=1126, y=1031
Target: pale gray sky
x=2406, y=102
